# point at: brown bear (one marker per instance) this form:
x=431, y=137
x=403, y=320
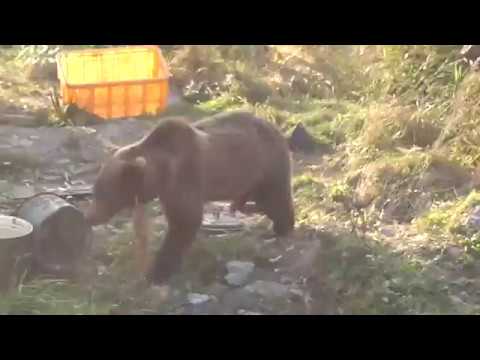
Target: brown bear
x=232, y=156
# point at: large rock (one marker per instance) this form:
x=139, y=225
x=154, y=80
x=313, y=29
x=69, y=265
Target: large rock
x=268, y=290
x=239, y=272
x=237, y=299
x=198, y=299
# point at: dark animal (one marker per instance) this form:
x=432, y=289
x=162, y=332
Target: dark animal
x=228, y=157
x=301, y=140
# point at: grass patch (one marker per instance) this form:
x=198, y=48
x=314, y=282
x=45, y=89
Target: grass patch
x=461, y=134
x=391, y=185
x=366, y=278
x=449, y=218
x=407, y=71
x=340, y=192
x=52, y=297
x=224, y=102
x=308, y=193
x=306, y=185
x=397, y=165
x=390, y=125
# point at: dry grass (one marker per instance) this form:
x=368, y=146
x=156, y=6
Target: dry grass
x=384, y=125
x=449, y=219
x=461, y=135
x=392, y=124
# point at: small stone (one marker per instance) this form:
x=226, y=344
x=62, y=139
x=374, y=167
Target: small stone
x=246, y=312
x=387, y=232
x=197, y=299
x=238, y=266
x=235, y=279
x=239, y=272
x=51, y=178
x=270, y=241
x=267, y=289
x=454, y=252
x=296, y=294
x=101, y=270
x=25, y=143
x=63, y=161
x=276, y=259
x=284, y=279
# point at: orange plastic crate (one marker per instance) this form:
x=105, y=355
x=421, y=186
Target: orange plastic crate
x=115, y=82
